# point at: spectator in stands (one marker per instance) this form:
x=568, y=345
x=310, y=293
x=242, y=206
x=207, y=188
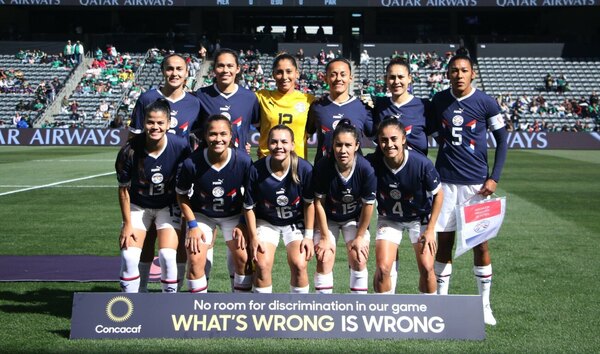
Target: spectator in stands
x=22, y=106
x=548, y=82
x=330, y=55
x=22, y=123
x=68, y=53
x=594, y=98
x=78, y=52
x=364, y=57
x=578, y=127
x=562, y=85
x=300, y=54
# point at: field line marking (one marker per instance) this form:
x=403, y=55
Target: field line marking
x=56, y=183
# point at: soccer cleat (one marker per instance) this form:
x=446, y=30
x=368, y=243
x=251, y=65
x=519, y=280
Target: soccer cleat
x=488, y=317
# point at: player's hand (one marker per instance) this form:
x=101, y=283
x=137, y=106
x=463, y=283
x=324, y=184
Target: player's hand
x=428, y=242
x=488, y=188
x=126, y=236
x=307, y=246
x=361, y=247
x=321, y=249
x=238, y=236
x=194, y=238
x=256, y=247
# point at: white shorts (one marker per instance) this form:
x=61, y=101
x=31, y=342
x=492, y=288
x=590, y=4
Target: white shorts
x=270, y=233
x=167, y=217
x=348, y=229
x=455, y=194
x=208, y=225
x=390, y=230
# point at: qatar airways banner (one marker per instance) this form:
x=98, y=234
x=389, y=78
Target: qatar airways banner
x=214, y=315
x=117, y=137
x=306, y=3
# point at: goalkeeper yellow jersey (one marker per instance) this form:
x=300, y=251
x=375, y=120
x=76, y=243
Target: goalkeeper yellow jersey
x=290, y=109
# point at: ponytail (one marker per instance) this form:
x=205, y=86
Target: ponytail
x=294, y=167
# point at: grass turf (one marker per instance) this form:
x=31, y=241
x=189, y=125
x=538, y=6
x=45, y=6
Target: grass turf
x=544, y=258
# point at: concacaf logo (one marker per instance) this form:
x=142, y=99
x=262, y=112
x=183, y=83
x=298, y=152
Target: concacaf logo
x=119, y=317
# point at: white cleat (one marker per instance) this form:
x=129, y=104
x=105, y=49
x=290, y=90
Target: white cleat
x=488, y=317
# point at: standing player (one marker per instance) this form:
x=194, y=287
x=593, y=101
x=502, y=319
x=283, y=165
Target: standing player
x=279, y=200
x=285, y=105
x=326, y=112
x=413, y=112
x=464, y=114
x=236, y=103
x=185, y=108
x=226, y=97
x=215, y=173
x=409, y=198
x=345, y=186
x=146, y=168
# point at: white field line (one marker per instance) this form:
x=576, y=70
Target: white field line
x=60, y=186
x=76, y=160
x=56, y=183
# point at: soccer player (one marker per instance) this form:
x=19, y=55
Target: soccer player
x=413, y=112
x=326, y=112
x=225, y=97
x=215, y=173
x=344, y=184
x=409, y=198
x=279, y=201
x=285, y=105
x=185, y=108
x=146, y=168
x=464, y=115
x=236, y=103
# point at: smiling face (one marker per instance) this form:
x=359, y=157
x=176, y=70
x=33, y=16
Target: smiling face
x=338, y=78
x=218, y=136
x=226, y=70
x=398, y=80
x=285, y=75
x=461, y=74
x=344, y=148
x=175, y=72
x=391, y=141
x=281, y=144
x=156, y=125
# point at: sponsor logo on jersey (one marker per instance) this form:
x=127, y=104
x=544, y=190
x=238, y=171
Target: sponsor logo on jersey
x=224, y=109
x=156, y=169
x=218, y=182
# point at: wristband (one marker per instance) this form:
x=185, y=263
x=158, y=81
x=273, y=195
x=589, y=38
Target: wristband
x=192, y=223
x=309, y=233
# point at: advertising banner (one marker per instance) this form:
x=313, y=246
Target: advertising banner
x=216, y=315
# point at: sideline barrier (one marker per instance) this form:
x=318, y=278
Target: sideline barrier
x=216, y=315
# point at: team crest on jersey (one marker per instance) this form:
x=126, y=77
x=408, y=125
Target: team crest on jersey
x=300, y=107
x=395, y=194
x=157, y=178
x=174, y=122
x=282, y=200
x=218, y=192
x=457, y=120
x=348, y=198
x=226, y=114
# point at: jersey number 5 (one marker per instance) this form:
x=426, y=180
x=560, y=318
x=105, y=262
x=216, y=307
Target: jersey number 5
x=457, y=135
x=285, y=118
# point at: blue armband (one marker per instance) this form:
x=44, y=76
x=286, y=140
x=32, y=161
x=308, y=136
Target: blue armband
x=192, y=223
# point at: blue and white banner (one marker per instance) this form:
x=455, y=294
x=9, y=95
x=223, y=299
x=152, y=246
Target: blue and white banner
x=215, y=315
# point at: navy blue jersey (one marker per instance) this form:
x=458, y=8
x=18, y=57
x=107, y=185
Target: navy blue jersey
x=240, y=106
x=278, y=200
x=463, y=124
x=184, y=112
x=151, y=179
x=343, y=196
x=324, y=115
x=405, y=194
x=415, y=115
x=217, y=193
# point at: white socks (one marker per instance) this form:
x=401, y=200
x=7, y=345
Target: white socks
x=483, y=276
x=130, y=274
x=242, y=283
x=265, y=290
x=168, y=269
x=299, y=290
x=359, y=280
x=323, y=283
x=198, y=285
x=443, y=272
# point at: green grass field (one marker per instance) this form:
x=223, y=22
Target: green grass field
x=545, y=258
